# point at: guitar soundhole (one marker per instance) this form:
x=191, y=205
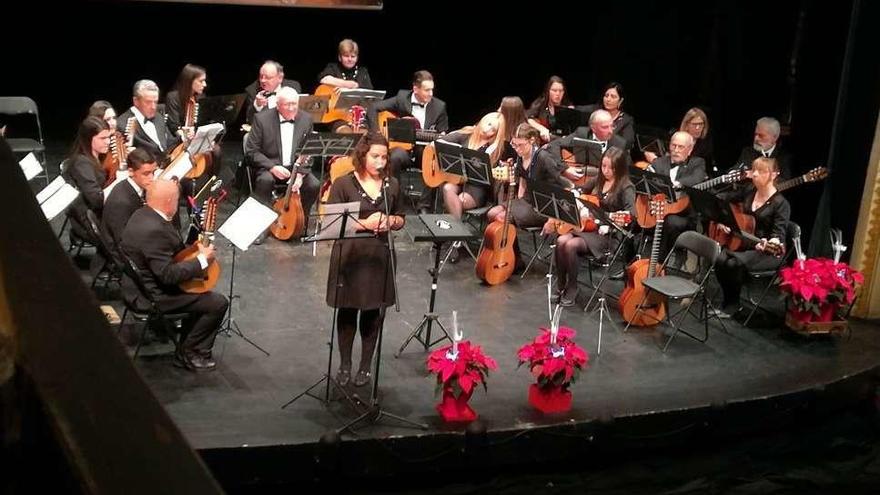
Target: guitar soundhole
x=502, y=264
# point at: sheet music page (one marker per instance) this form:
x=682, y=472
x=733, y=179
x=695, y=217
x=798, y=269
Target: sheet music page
x=179, y=168
x=121, y=175
x=247, y=222
x=51, y=189
x=204, y=139
x=30, y=166
x=59, y=201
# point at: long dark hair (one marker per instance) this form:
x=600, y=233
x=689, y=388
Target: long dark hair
x=359, y=158
x=188, y=74
x=620, y=162
x=90, y=127
x=99, y=108
x=615, y=86
x=542, y=101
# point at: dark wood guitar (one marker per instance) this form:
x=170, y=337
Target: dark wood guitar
x=291, y=221
x=497, y=260
x=210, y=275
x=653, y=310
x=120, y=143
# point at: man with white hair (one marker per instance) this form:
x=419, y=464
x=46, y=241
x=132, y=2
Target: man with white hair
x=272, y=147
x=263, y=93
x=684, y=170
x=766, y=144
x=601, y=130
x=151, y=133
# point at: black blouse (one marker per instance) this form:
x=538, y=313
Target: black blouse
x=771, y=219
x=359, y=74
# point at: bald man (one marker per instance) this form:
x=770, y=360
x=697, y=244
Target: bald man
x=151, y=241
x=272, y=147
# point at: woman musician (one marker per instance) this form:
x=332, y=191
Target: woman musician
x=360, y=282
x=617, y=196
x=83, y=170
x=771, y=211
x=180, y=104
x=542, y=111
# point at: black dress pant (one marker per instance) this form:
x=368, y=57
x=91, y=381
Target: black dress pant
x=265, y=182
x=206, y=312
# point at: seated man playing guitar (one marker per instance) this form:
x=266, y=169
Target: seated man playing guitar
x=151, y=242
x=418, y=104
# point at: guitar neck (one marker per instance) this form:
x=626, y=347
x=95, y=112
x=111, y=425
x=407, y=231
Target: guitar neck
x=788, y=184
x=655, y=247
x=427, y=135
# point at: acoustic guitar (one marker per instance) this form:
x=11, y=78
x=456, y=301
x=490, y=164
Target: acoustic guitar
x=210, y=275
x=653, y=309
x=497, y=260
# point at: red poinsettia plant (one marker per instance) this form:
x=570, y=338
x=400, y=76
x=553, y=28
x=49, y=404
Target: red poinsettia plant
x=819, y=288
x=554, y=365
x=462, y=370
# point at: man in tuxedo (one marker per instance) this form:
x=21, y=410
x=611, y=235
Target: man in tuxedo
x=127, y=197
x=766, y=144
x=430, y=113
x=601, y=129
x=684, y=170
x=271, y=148
x=151, y=132
x=151, y=241
x=263, y=93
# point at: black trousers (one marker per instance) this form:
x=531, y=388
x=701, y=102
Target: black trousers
x=206, y=313
x=265, y=182
x=399, y=160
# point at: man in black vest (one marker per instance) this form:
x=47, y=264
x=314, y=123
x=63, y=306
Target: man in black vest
x=150, y=240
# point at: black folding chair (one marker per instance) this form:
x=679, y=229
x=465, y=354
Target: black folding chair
x=689, y=285
x=22, y=105
x=109, y=264
x=793, y=236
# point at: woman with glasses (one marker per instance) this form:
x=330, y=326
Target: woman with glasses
x=696, y=123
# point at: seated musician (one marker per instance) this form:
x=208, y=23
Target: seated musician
x=189, y=88
x=771, y=212
x=274, y=139
x=684, y=170
x=127, y=197
x=766, y=144
x=346, y=73
x=262, y=93
x=602, y=130
x=104, y=111
x=542, y=112
x=616, y=195
x=534, y=163
x=151, y=241
x=696, y=123
x=83, y=170
x=612, y=102
x=421, y=105
x=484, y=136
x=151, y=132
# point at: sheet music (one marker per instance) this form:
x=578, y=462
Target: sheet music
x=205, y=137
x=59, y=201
x=30, y=166
x=179, y=168
x=51, y=189
x=121, y=175
x=331, y=221
x=250, y=220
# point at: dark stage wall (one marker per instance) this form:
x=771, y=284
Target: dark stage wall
x=732, y=58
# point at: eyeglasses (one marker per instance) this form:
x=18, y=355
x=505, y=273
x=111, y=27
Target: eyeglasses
x=696, y=124
x=519, y=144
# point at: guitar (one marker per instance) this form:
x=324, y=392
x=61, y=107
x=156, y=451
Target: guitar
x=210, y=275
x=201, y=161
x=589, y=224
x=643, y=203
x=432, y=174
x=653, y=309
x=746, y=222
x=355, y=118
x=291, y=221
x=496, y=261
x=423, y=136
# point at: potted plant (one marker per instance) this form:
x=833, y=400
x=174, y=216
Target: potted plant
x=556, y=361
x=819, y=290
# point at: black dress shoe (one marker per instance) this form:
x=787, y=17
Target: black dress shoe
x=194, y=362
x=362, y=378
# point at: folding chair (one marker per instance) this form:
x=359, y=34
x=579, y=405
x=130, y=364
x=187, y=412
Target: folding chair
x=109, y=261
x=793, y=236
x=692, y=287
x=144, y=307
x=22, y=105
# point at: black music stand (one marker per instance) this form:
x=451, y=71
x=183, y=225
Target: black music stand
x=343, y=225
x=568, y=120
x=651, y=183
x=223, y=109
x=325, y=144
x=712, y=208
x=402, y=130
x=358, y=97
x=436, y=229
x=580, y=147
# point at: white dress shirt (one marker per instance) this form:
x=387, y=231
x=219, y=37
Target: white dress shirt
x=418, y=111
x=287, y=129
x=148, y=127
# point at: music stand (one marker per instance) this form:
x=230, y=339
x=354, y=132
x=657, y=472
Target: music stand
x=328, y=144
x=315, y=105
x=471, y=165
x=568, y=120
x=647, y=142
x=651, y=183
x=223, y=109
x=358, y=97
x=402, y=130
x=343, y=225
x=245, y=224
x=581, y=147
x=713, y=208
x=436, y=229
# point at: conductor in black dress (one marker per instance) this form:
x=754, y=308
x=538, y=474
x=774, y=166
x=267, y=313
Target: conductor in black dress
x=430, y=113
x=150, y=240
x=360, y=280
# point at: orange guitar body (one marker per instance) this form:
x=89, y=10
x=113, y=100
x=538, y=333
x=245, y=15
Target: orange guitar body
x=432, y=174
x=209, y=277
x=643, y=213
x=653, y=310
x=496, y=261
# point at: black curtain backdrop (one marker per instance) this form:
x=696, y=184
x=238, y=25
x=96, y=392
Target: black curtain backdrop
x=731, y=58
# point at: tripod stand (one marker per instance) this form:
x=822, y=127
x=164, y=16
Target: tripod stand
x=229, y=325
x=437, y=229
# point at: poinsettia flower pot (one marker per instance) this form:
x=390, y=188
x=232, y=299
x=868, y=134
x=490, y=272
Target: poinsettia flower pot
x=551, y=399
x=456, y=409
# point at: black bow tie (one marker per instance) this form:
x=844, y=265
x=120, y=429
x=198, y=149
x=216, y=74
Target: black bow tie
x=417, y=104
x=148, y=119
x=267, y=94
x=291, y=121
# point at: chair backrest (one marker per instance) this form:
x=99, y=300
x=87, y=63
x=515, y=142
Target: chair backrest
x=92, y=225
x=17, y=105
x=130, y=270
x=702, y=246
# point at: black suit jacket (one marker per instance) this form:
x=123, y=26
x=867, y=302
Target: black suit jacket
x=690, y=174
x=401, y=105
x=121, y=204
x=151, y=243
x=254, y=88
x=593, y=156
x=167, y=139
x=783, y=159
x=264, y=140
x=624, y=124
